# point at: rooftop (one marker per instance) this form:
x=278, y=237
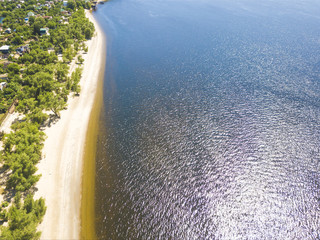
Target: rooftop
x=4, y=48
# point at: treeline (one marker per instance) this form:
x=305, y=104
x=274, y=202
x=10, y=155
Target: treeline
x=40, y=84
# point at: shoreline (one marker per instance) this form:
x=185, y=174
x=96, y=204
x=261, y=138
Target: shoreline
x=87, y=209
x=63, y=159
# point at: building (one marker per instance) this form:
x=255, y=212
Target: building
x=8, y=30
x=31, y=14
x=44, y=31
x=22, y=49
x=4, y=77
x=47, y=17
x=5, y=49
x=3, y=85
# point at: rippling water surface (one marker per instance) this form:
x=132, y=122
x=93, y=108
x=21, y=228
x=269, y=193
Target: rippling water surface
x=212, y=120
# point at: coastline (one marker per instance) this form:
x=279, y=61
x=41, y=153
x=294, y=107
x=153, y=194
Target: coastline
x=87, y=209
x=63, y=152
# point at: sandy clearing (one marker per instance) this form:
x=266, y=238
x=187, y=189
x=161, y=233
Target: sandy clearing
x=7, y=122
x=61, y=166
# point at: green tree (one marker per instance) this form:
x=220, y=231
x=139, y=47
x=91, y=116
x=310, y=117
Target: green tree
x=38, y=116
x=27, y=105
x=17, y=40
x=51, y=24
x=38, y=23
x=13, y=68
x=23, y=220
x=88, y=33
x=61, y=72
x=68, y=54
x=32, y=19
x=80, y=59
x=71, y=4
x=54, y=102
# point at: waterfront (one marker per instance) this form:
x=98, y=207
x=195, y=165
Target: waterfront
x=211, y=125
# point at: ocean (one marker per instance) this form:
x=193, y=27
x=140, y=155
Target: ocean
x=211, y=120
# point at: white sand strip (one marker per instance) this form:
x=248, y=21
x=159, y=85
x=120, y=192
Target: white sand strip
x=61, y=166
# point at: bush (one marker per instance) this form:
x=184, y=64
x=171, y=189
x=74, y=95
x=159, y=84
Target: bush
x=88, y=33
x=80, y=59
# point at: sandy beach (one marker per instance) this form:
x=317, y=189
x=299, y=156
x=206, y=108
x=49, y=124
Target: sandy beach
x=62, y=163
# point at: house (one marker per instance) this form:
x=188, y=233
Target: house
x=8, y=30
x=4, y=77
x=65, y=3
x=47, y=17
x=22, y=49
x=65, y=12
x=3, y=85
x=5, y=49
x=64, y=19
x=26, y=19
x=31, y=14
x=44, y=31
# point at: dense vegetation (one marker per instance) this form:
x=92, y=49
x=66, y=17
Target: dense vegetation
x=23, y=218
x=38, y=82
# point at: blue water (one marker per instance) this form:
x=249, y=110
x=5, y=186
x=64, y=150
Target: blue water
x=211, y=125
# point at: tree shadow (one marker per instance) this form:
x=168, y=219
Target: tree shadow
x=18, y=120
x=7, y=194
x=33, y=190
x=53, y=119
